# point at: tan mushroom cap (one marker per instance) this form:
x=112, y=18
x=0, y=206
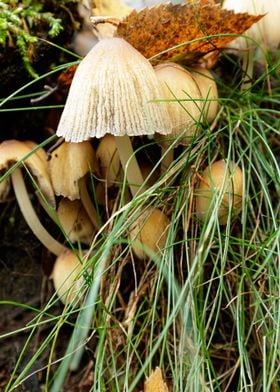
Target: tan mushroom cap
x=66, y=279
x=178, y=84
x=75, y=221
x=111, y=93
x=108, y=159
x=149, y=232
x=68, y=164
x=220, y=177
x=13, y=151
x=209, y=91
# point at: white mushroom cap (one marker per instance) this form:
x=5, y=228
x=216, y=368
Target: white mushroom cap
x=266, y=31
x=111, y=93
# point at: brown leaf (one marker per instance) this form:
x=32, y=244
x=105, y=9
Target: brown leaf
x=155, y=382
x=155, y=30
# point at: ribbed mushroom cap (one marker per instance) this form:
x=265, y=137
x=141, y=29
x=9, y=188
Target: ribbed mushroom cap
x=267, y=30
x=111, y=93
x=68, y=164
x=13, y=151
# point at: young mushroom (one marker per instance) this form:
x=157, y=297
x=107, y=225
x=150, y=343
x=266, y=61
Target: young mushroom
x=220, y=180
x=21, y=153
x=108, y=160
x=184, y=106
x=68, y=166
x=67, y=278
x=75, y=221
x=116, y=88
x=209, y=92
x=149, y=233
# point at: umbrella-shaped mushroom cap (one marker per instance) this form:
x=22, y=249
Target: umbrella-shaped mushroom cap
x=68, y=164
x=13, y=151
x=111, y=92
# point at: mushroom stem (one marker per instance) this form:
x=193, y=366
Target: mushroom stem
x=130, y=166
x=31, y=217
x=87, y=203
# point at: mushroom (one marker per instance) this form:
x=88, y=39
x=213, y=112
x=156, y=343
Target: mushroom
x=265, y=33
x=209, y=92
x=75, y=221
x=66, y=276
x=68, y=166
x=184, y=106
x=220, y=180
x=149, y=233
x=108, y=160
x=14, y=151
x=116, y=89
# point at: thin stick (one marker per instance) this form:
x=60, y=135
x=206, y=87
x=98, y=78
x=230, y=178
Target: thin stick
x=31, y=217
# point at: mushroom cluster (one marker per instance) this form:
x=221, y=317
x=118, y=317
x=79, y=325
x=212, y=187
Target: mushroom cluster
x=116, y=97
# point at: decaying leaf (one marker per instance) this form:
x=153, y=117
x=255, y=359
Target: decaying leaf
x=156, y=30
x=155, y=382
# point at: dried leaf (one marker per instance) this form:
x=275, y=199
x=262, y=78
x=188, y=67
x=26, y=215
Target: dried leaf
x=155, y=30
x=66, y=76
x=155, y=382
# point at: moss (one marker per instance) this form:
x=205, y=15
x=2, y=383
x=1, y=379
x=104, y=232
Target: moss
x=23, y=23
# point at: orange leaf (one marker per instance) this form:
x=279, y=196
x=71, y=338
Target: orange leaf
x=155, y=30
x=155, y=382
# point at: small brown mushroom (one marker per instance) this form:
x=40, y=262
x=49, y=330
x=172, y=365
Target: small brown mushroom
x=17, y=152
x=75, y=221
x=220, y=180
x=68, y=166
x=66, y=276
x=149, y=233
